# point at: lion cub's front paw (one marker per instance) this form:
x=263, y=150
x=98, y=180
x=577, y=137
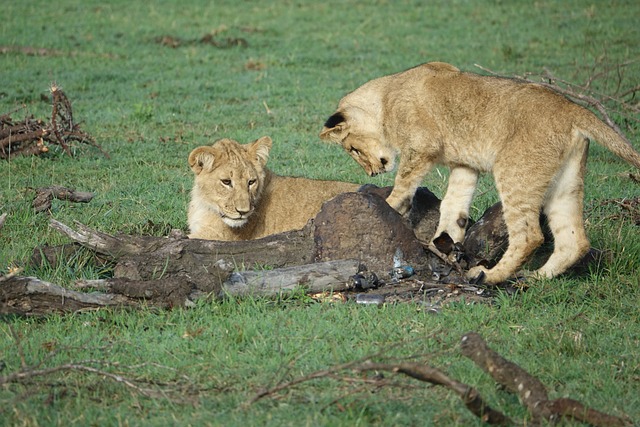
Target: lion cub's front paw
x=399, y=204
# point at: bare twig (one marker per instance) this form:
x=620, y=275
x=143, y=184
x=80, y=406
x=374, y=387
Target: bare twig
x=176, y=395
x=314, y=375
x=289, y=384
x=29, y=372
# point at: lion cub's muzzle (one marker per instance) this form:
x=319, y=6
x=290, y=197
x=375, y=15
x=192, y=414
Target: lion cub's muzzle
x=238, y=218
x=373, y=172
x=235, y=222
x=380, y=169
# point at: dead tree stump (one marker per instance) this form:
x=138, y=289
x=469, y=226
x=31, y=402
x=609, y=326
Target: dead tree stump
x=363, y=226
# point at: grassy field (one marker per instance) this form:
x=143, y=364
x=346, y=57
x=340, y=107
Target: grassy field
x=279, y=69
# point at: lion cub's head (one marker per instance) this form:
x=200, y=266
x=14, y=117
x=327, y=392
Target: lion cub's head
x=229, y=177
x=360, y=134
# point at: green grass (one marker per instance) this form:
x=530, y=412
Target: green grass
x=148, y=105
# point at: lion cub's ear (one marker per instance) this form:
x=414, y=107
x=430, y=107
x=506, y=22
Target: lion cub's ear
x=335, y=128
x=260, y=148
x=201, y=158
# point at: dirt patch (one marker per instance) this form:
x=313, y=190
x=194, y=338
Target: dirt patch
x=207, y=39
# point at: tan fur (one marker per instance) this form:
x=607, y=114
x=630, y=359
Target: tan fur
x=235, y=197
x=532, y=139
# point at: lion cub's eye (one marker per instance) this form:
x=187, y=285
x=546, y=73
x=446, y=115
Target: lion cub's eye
x=226, y=182
x=354, y=151
x=251, y=182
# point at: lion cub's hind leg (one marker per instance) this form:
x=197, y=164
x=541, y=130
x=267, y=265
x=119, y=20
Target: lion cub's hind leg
x=521, y=204
x=454, y=208
x=564, y=209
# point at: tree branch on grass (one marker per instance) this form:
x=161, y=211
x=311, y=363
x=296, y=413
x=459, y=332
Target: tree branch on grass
x=469, y=395
x=167, y=390
x=515, y=379
x=32, y=296
x=45, y=195
x=530, y=390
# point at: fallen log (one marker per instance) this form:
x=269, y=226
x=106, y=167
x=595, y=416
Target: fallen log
x=352, y=226
x=32, y=296
x=278, y=250
x=351, y=229
x=171, y=271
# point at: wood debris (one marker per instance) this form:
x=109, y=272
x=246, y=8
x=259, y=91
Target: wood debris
x=34, y=136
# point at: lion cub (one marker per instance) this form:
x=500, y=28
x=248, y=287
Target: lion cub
x=532, y=139
x=235, y=197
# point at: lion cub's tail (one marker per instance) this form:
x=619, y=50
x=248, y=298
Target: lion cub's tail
x=595, y=129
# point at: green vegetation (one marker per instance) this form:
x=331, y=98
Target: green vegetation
x=279, y=70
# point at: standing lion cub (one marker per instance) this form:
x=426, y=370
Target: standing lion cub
x=532, y=139
x=235, y=197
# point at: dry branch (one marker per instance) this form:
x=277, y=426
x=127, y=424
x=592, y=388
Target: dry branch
x=530, y=390
x=469, y=395
x=317, y=277
x=30, y=295
x=266, y=392
x=508, y=374
x=471, y=398
x=31, y=136
x=280, y=250
x=45, y=195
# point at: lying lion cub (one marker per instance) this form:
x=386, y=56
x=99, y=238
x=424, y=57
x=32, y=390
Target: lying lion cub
x=235, y=197
x=532, y=139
